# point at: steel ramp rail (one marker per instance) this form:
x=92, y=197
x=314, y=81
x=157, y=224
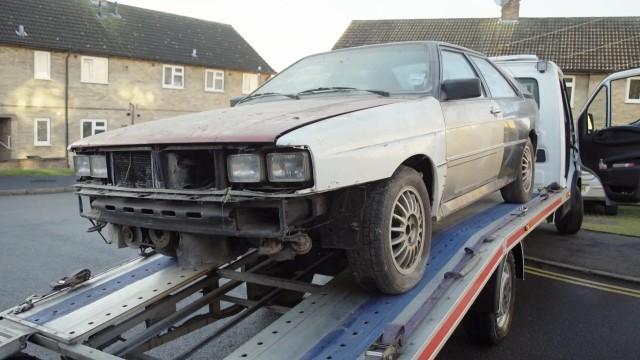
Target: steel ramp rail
x=343, y=322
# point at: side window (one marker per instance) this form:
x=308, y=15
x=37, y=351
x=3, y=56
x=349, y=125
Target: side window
x=455, y=66
x=597, y=112
x=530, y=85
x=498, y=85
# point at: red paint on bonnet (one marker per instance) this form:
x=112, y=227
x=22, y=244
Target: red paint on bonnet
x=258, y=123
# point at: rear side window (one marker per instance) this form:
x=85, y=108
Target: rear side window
x=455, y=66
x=498, y=85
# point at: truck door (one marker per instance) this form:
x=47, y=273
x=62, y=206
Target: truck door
x=609, y=135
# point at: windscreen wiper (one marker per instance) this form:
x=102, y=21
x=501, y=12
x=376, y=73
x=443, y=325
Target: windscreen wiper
x=259, y=95
x=343, y=88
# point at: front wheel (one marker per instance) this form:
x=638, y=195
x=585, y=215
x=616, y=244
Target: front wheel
x=395, y=240
x=519, y=191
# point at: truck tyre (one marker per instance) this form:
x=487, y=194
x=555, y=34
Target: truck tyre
x=394, y=243
x=489, y=319
x=571, y=222
x=519, y=191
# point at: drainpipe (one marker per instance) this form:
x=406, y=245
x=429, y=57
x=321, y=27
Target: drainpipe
x=66, y=108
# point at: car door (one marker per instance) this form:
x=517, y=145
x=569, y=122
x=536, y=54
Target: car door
x=609, y=136
x=513, y=120
x=471, y=134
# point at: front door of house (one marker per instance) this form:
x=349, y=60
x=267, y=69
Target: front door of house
x=5, y=138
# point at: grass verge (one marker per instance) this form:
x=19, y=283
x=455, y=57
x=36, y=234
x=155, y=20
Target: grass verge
x=37, y=172
x=627, y=222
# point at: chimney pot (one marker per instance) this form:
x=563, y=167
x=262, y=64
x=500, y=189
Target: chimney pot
x=511, y=11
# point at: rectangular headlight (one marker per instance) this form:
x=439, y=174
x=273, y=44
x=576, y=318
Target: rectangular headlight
x=82, y=164
x=289, y=167
x=99, y=166
x=245, y=168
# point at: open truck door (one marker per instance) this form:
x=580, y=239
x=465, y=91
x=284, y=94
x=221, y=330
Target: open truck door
x=609, y=135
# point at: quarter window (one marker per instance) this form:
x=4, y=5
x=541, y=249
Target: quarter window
x=42, y=65
x=94, y=70
x=214, y=80
x=455, y=66
x=41, y=132
x=249, y=83
x=172, y=77
x=570, y=86
x=597, y=112
x=498, y=85
x=90, y=127
x=633, y=90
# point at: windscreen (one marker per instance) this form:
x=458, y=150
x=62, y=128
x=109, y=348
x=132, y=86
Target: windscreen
x=395, y=69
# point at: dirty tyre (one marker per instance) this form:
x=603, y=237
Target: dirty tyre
x=519, y=191
x=489, y=320
x=571, y=222
x=391, y=253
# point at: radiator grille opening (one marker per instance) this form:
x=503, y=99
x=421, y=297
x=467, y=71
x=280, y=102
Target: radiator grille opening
x=132, y=169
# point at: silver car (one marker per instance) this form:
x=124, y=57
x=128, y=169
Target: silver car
x=358, y=149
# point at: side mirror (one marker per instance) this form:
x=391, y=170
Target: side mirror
x=235, y=100
x=462, y=88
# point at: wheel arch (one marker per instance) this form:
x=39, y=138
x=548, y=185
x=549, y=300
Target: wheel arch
x=423, y=164
x=533, y=136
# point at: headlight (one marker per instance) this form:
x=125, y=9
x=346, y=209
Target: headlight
x=289, y=167
x=99, y=166
x=82, y=164
x=94, y=165
x=245, y=168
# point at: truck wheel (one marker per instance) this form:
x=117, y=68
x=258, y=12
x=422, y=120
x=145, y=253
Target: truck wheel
x=395, y=239
x=489, y=319
x=571, y=222
x=520, y=190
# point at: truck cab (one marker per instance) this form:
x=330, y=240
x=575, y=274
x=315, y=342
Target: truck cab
x=609, y=147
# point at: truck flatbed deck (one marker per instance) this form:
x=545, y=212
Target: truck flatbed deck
x=336, y=320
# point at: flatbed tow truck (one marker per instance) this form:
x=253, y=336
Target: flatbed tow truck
x=476, y=256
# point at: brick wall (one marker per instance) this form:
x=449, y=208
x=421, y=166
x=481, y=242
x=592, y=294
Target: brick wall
x=23, y=98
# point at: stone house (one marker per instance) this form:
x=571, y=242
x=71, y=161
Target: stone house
x=587, y=49
x=74, y=68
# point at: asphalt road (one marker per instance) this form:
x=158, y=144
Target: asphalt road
x=42, y=238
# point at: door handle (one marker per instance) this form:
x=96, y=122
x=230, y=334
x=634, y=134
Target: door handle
x=495, y=111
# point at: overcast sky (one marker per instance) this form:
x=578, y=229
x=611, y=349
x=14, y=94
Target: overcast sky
x=283, y=31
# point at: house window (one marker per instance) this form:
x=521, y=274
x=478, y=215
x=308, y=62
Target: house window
x=633, y=90
x=42, y=65
x=172, y=77
x=214, y=80
x=90, y=127
x=570, y=85
x=249, y=83
x=41, y=132
x=94, y=70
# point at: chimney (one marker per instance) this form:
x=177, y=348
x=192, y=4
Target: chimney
x=511, y=10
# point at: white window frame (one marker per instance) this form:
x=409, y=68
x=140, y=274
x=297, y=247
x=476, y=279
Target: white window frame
x=36, y=142
x=244, y=79
x=573, y=87
x=173, y=69
x=84, y=79
x=215, y=74
x=93, y=126
x=36, y=75
x=626, y=97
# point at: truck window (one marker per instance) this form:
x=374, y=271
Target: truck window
x=530, y=85
x=597, y=112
